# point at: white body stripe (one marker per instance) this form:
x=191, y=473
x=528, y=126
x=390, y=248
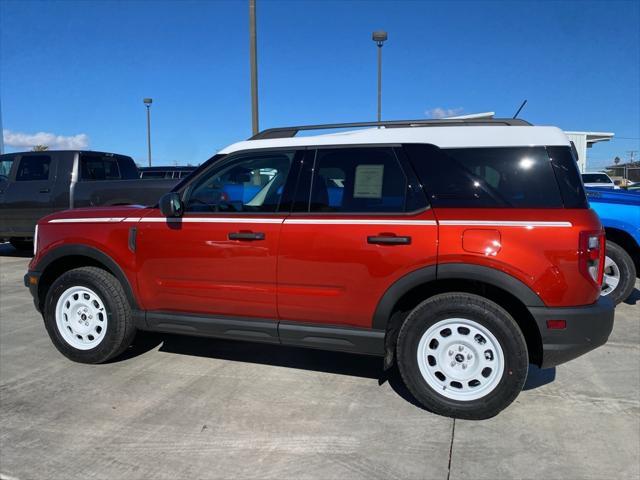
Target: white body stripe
x=318, y=221
x=88, y=220
x=333, y=221
x=504, y=223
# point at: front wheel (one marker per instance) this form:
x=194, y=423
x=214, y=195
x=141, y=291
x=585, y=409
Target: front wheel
x=87, y=315
x=619, y=273
x=462, y=356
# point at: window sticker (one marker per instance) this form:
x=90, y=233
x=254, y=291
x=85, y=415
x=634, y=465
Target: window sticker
x=368, y=183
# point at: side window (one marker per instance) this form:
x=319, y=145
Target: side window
x=565, y=166
x=361, y=180
x=33, y=167
x=518, y=177
x=128, y=169
x=6, y=162
x=98, y=167
x=250, y=183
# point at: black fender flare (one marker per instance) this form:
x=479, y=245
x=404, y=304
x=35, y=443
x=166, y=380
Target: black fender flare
x=451, y=271
x=93, y=253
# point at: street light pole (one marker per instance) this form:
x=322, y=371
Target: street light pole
x=379, y=37
x=147, y=103
x=253, y=54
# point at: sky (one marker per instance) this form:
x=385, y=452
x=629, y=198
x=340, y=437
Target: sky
x=73, y=73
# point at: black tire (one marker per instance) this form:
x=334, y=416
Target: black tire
x=21, y=244
x=627, y=269
x=485, y=313
x=119, y=330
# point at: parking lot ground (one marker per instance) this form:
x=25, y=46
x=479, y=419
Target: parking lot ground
x=179, y=407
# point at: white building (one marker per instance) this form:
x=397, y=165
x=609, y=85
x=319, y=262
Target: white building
x=584, y=140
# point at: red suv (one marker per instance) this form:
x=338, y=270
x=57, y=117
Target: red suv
x=460, y=250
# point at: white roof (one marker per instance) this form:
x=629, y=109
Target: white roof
x=443, y=137
x=594, y=137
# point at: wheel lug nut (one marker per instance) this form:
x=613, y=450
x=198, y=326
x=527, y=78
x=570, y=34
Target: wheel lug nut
x=469, y=357
x=460, y=348
x=453, y=364
x=450, y=352
x=464, y=366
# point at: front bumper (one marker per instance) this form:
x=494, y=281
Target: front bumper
x=31, y=281
x=586, y=328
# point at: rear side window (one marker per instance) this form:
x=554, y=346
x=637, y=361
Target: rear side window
x=361, y=180
x=516, y=177
x=33, y=167
x=98, y=167
x=128, y=169
x=565, y=167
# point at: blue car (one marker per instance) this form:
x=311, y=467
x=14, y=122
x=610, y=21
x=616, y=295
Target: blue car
x=619, y=212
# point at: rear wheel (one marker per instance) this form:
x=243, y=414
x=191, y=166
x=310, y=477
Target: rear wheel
x=619, y=273
x=87, y=315
x=462, y=356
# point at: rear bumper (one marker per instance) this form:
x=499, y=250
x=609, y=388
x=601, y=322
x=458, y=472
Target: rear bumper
x=587, y=328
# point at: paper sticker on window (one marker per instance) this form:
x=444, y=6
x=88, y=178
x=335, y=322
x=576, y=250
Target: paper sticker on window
x=368, y=182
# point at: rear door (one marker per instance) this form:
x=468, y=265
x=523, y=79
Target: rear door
x=360, y=222
x=28, y=197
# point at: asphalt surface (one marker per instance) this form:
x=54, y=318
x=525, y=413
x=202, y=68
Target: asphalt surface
x=189, y=408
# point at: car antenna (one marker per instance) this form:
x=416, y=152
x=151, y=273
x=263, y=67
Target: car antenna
x=521, y=107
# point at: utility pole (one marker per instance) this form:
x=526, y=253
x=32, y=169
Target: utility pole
x=253, y=54
x=147, y=103
x=1, y=132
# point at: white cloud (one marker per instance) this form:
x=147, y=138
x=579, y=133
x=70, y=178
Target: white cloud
x=51, y=140
x=440, y=112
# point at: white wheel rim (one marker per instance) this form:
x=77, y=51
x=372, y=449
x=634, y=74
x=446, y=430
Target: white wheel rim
x=460, y=359
x=81, y=318
x=611, y=276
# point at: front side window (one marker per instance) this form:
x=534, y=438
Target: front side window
x=98, y=167
x=251, y=183
x=517, y=177
x=33, y=167
x=360, y=180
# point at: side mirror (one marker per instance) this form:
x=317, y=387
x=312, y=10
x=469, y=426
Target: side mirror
x=171, y=205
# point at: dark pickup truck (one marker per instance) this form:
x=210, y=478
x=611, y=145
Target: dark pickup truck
x=35, y=184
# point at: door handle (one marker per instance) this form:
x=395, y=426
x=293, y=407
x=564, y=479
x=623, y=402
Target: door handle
x=389, y=240
x=250, y=236
x=44, y=190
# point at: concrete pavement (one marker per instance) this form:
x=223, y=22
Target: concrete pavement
x=179, y=407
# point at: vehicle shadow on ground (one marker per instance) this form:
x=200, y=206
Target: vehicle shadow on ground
x=338, y=363
x=634, y=298
x=7, y=250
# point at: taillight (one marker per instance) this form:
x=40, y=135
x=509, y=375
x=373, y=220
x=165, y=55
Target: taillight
x=591, y=255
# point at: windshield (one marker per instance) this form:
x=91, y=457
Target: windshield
x=595, y=178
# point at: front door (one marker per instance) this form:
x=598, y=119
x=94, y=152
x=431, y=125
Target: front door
x=27, y=194
x=219, y=258
x=360, y=222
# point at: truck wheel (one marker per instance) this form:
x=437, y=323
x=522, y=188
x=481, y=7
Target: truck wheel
x=87, y=315
x=21, y=244
x=619, y=273
x=462, y=356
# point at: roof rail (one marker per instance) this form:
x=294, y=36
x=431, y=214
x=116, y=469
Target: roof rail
x=287, y=132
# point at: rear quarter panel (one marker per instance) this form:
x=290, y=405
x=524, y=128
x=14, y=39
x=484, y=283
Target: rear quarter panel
x=543, y=257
